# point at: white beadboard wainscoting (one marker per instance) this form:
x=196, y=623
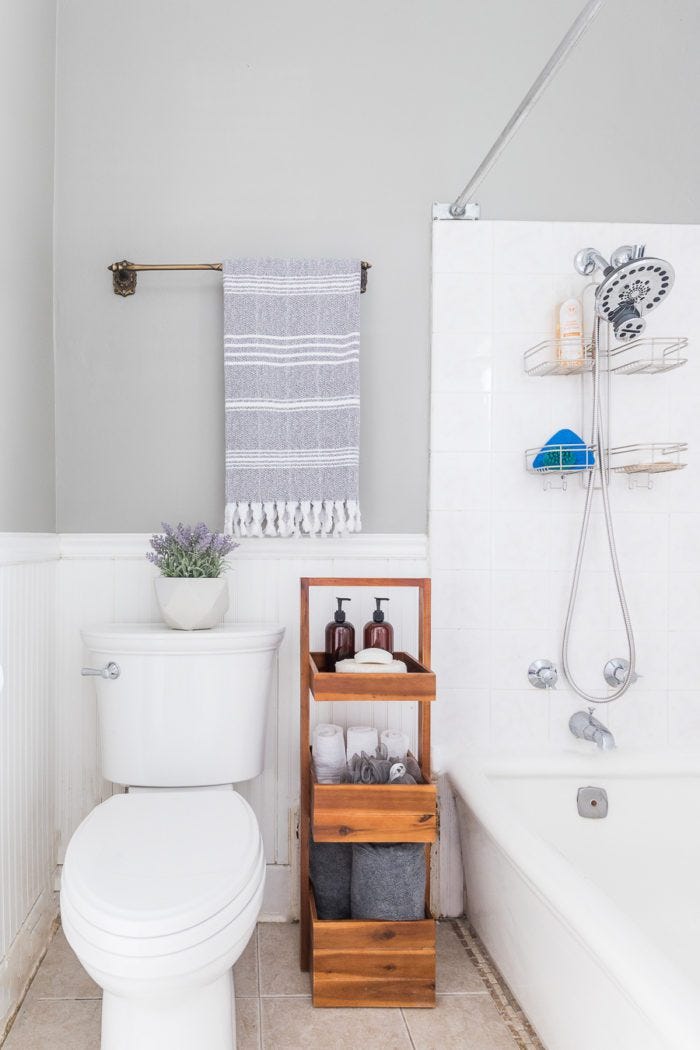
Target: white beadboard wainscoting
x=502, y=549
x=28, y=566
x=107, y=578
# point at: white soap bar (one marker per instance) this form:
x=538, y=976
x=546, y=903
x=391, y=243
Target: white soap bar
x=373, y=656
x=352, y=667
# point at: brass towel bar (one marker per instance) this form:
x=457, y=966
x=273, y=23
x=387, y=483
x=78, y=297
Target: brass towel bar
x=124, y=273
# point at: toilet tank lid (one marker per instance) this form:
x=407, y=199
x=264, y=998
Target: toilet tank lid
x=151, y=865
x=157, y=638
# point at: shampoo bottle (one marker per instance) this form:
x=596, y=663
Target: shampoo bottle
x=570, y=334
x=378, y=634
x=340, y=637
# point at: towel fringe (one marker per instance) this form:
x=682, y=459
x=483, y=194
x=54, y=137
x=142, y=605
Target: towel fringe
x=292, y=518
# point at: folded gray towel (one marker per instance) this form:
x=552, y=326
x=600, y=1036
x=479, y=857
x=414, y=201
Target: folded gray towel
x=331, y=865
x=388, y=881
x=292, y=382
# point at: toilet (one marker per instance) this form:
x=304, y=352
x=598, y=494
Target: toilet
x=162, y=885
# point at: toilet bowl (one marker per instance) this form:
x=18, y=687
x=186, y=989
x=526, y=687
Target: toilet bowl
x=162, y=886
x=160, y=894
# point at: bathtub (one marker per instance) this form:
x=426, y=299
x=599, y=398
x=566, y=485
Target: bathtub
x=594, y=924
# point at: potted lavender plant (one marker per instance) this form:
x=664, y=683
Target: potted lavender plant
x=192, y=593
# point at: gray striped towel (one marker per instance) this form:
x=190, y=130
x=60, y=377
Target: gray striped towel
x=292, y=367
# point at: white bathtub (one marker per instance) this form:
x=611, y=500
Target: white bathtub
x=595, y=924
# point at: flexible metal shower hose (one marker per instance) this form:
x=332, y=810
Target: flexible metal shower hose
x=598, y=444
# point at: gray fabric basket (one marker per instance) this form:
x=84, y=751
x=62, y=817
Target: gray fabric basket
x=388, y=881
x=330, y=868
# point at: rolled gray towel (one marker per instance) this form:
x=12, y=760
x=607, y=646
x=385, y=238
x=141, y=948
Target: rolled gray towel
x=366, y=769
x=413, y=769
x=388, y=881
x=380, y=768
x=330, y=869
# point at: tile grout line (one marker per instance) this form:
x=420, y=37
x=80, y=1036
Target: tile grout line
x=408, y=1030
x=4, y=1034
x=519, y=1027
x=258, y=971
x=68, y=999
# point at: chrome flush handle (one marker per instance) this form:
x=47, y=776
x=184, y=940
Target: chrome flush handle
x=110, y=670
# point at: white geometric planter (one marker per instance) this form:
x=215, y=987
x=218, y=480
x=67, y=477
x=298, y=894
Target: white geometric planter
x=192, y=604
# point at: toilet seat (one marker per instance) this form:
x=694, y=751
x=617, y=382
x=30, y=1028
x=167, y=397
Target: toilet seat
x=152, y=878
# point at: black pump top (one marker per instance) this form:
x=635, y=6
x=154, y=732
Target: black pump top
x=378, y=614
x=339, y=615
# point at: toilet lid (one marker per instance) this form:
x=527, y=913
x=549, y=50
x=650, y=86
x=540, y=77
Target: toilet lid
x=154, y=864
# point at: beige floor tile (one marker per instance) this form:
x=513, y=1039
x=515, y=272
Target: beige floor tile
x=245, y=972
x=455, y=970
x=278, y=946
x=457, y=1022
x=293, y=1024
x=247, y=1024
x=61, y=976
x=56, y=1024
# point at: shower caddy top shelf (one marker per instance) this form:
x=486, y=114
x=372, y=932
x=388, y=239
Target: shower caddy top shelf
x=650, y=356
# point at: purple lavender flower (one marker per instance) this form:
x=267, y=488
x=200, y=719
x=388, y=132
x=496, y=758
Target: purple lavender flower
x=188, y=551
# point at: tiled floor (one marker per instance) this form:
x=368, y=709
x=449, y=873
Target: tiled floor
x=273, y=1004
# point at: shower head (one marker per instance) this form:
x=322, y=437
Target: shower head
x=632, y=285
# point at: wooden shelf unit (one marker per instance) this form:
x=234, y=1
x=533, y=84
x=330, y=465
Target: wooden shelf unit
x=357, y=962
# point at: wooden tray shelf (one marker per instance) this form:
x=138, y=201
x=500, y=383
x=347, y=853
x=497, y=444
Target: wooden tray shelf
x=361, y=963
x=417, y=683
x=373, y=812
x=354, y=962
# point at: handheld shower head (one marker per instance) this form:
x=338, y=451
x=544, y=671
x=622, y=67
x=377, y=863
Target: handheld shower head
x=632, y=285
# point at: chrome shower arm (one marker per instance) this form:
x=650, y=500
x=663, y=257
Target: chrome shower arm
x=568, y=42
x=588, y=260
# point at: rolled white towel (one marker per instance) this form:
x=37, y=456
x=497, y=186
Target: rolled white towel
x=361, y=738
x=396, y=743
x=328, y=746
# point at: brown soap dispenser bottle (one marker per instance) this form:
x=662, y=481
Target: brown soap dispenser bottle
x=340, y=637
x=378, y=634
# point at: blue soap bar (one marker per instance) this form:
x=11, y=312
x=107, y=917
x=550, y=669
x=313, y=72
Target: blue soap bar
x=565, y=450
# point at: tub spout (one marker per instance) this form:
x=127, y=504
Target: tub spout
x=585, y=726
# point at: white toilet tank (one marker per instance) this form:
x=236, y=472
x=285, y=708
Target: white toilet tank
x=188, y=708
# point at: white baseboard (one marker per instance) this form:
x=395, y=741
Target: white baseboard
x=277, y=901
x=25, y=953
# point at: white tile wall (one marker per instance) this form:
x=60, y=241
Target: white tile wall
x=502, y=548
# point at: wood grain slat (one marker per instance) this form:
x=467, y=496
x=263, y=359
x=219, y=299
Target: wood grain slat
x=410, y=992
x=417, y=683
x=375, y=965
x=373, y=812
x=361, y=963
x=360, y=935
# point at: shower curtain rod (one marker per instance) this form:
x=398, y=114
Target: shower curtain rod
x=458, y=208
x=124, y=273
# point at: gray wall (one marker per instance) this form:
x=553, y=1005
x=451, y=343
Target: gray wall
x=27, y=76
x=191, y=130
